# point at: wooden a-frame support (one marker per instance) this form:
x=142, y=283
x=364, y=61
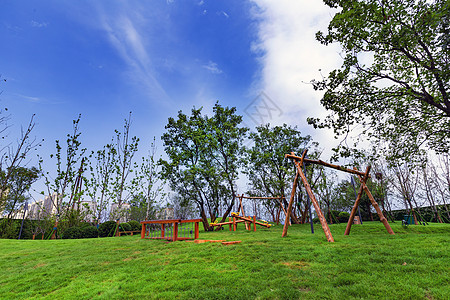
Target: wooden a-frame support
x=362, y=177
x=364, y=187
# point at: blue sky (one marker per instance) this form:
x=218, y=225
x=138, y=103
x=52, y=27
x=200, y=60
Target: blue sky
x=103, y=59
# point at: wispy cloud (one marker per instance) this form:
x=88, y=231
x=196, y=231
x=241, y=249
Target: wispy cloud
x=29, y=98
x=38, y=24
x=222, y=13
x=213, y=68
x=126, y=33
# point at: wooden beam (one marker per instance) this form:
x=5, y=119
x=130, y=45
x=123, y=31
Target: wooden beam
x=322, y=163
x=377, y=208
x=291, y=201
x=322, y=219
x=358, y=199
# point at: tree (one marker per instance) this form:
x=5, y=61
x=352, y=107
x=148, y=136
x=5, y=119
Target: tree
x=395, y=77
x=269, y=172
x=203, y=158
x=11, y=158
x=21, y=179
x=99, y=183
x=147, y=185
x=125, y=148
x=65, y=189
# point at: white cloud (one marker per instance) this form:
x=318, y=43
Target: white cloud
x=200, y=3
x=290, y=57
x=223, y=14
x=38, y=24
x=213, y=68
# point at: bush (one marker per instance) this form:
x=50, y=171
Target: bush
x=316, y=220
x=107, y=229
x=9, y=229
x=124, y=227
x=72, y=233
x=343, y=217
x=88, y=232
x=135, y=225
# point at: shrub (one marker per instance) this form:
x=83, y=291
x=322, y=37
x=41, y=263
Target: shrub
x=316, y=220
x=107, y=229
x=124, y=227
x=72, y=233
x=9, y=229
x=343, y=216
x=88, y=232
x=135, y=225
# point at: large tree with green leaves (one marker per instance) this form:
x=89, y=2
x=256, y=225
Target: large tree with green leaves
x=203, y=158
x=395, y=78
x=269, y=172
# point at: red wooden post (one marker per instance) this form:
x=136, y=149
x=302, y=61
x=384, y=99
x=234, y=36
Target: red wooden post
x=143, y=231
x=196, y=230
x=254, y=223
x=175, y=231
x=234, y=223
x=162, y=230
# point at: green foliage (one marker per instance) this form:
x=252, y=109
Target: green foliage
x=72, y=233
x=107, y=229
x=124, y=227
x=204, y=156
x=20, y=182
x=135, y=225
x=269, y=172
x=80, y=232
x=343, y=216
x=395, y=78
x=65, y=184
x=89, y=232
x=9, y=229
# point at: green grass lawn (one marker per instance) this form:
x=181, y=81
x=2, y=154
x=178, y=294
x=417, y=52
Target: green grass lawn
x=369, y=263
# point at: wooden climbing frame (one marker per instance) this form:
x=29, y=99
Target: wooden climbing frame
x=299, y=161
x=169, y=229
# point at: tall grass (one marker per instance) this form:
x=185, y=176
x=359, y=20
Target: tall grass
x=370, y=264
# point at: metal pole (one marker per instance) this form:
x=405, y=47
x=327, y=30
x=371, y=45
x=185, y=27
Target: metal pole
x=24, y=212
x=354, y=189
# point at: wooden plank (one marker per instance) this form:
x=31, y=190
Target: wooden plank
x=231, y=243
x=254, y=223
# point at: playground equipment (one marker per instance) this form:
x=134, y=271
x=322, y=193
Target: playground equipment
x=172, y=230
x=279, y=200
x=363, y=176
x=235, y=219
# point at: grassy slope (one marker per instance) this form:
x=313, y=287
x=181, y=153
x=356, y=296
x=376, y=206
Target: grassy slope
x=413, y=264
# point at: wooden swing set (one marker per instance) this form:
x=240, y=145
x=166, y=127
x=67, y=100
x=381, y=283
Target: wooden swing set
x=248, y=221
x=363, y=177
